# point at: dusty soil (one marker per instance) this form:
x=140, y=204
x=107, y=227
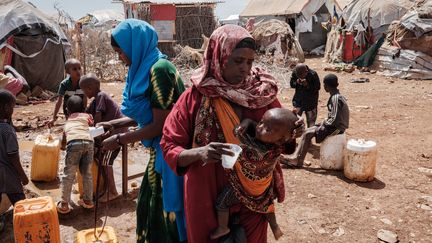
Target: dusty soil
x=324, y=206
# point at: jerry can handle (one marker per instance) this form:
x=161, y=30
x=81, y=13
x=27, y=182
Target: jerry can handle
x=42, y=204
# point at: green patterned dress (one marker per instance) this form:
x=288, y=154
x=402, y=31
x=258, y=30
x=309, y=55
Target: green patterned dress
x=154, y=225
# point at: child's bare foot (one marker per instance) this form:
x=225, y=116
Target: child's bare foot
x=219, y=232
x=277, y=232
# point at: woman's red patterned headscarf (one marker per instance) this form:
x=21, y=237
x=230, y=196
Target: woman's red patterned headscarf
x=258, y=90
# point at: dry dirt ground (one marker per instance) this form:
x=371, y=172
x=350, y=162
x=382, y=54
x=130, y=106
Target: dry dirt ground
x=324, y=206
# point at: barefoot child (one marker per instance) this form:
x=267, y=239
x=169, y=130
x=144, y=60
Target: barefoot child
x=336, y=122
x=12, y=175
x=103, y=109
x=79, y=154
x=262, y=143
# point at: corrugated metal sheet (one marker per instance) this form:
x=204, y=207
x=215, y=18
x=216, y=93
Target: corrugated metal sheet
x=175, y=1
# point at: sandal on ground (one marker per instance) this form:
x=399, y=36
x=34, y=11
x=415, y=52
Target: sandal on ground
x=61, y=209
x=83, y=204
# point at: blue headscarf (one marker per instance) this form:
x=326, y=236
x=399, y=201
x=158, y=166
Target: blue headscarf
x=138, y=40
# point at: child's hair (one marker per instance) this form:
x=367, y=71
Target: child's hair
x=71, y=62
x=75, y=104
x=89, y=79
x=331, y=80
x=7, y=99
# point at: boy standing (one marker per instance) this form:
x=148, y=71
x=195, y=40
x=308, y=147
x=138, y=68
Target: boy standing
x=336, y=122
x=12, y=175
x=68, y=88
x=306, y=83
x=103, y=109
x=79, y=154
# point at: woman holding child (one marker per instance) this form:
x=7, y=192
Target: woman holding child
x=226, y=90
x=153, y=85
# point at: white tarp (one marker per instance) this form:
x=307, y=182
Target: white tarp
x=16, y=15
x=382, y=12
x=288, y=7
x=101, y=17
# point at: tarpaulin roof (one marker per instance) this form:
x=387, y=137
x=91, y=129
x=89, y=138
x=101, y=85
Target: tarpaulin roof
x=16, y=16
x=382, y=12
x=286, y=7
x=100, y=17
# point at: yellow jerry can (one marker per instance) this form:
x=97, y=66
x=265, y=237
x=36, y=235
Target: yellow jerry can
x=107, y=236
x=36, y=220
x=45, y=157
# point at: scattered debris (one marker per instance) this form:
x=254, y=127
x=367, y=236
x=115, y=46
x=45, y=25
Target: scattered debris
x=322, y=231
x=362, y=107
x=307, y=163
x=339, y=232
x=426, y=171
x=359, y=80
x=386, y=221
x=387, y=236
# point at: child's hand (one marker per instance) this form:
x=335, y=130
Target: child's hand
x=300, y=127
x=106, y=125
x=242, y=127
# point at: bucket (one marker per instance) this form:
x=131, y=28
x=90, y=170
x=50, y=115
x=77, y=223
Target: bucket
x=95, y=170
x=332, y=152
x=360, y=160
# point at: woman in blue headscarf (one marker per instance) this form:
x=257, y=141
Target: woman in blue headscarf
x=152, y=87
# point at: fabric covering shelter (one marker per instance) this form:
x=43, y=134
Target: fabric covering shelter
x=35, y=43
x=408, y=52
x=287, y=7
x=382, y=13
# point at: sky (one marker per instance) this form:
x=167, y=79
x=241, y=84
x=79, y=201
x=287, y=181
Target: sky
x=79, y=8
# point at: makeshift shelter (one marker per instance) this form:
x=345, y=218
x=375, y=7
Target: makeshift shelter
x=104, y=19
x=31, y=43
x=408, y=53
x=362, y=23
x=276, y=36
x=176, y=21
x=303, y=16
x=380, y=13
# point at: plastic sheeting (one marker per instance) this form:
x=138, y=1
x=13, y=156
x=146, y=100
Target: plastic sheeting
x=101, y=17
x=16, y=15
x=382, y=12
